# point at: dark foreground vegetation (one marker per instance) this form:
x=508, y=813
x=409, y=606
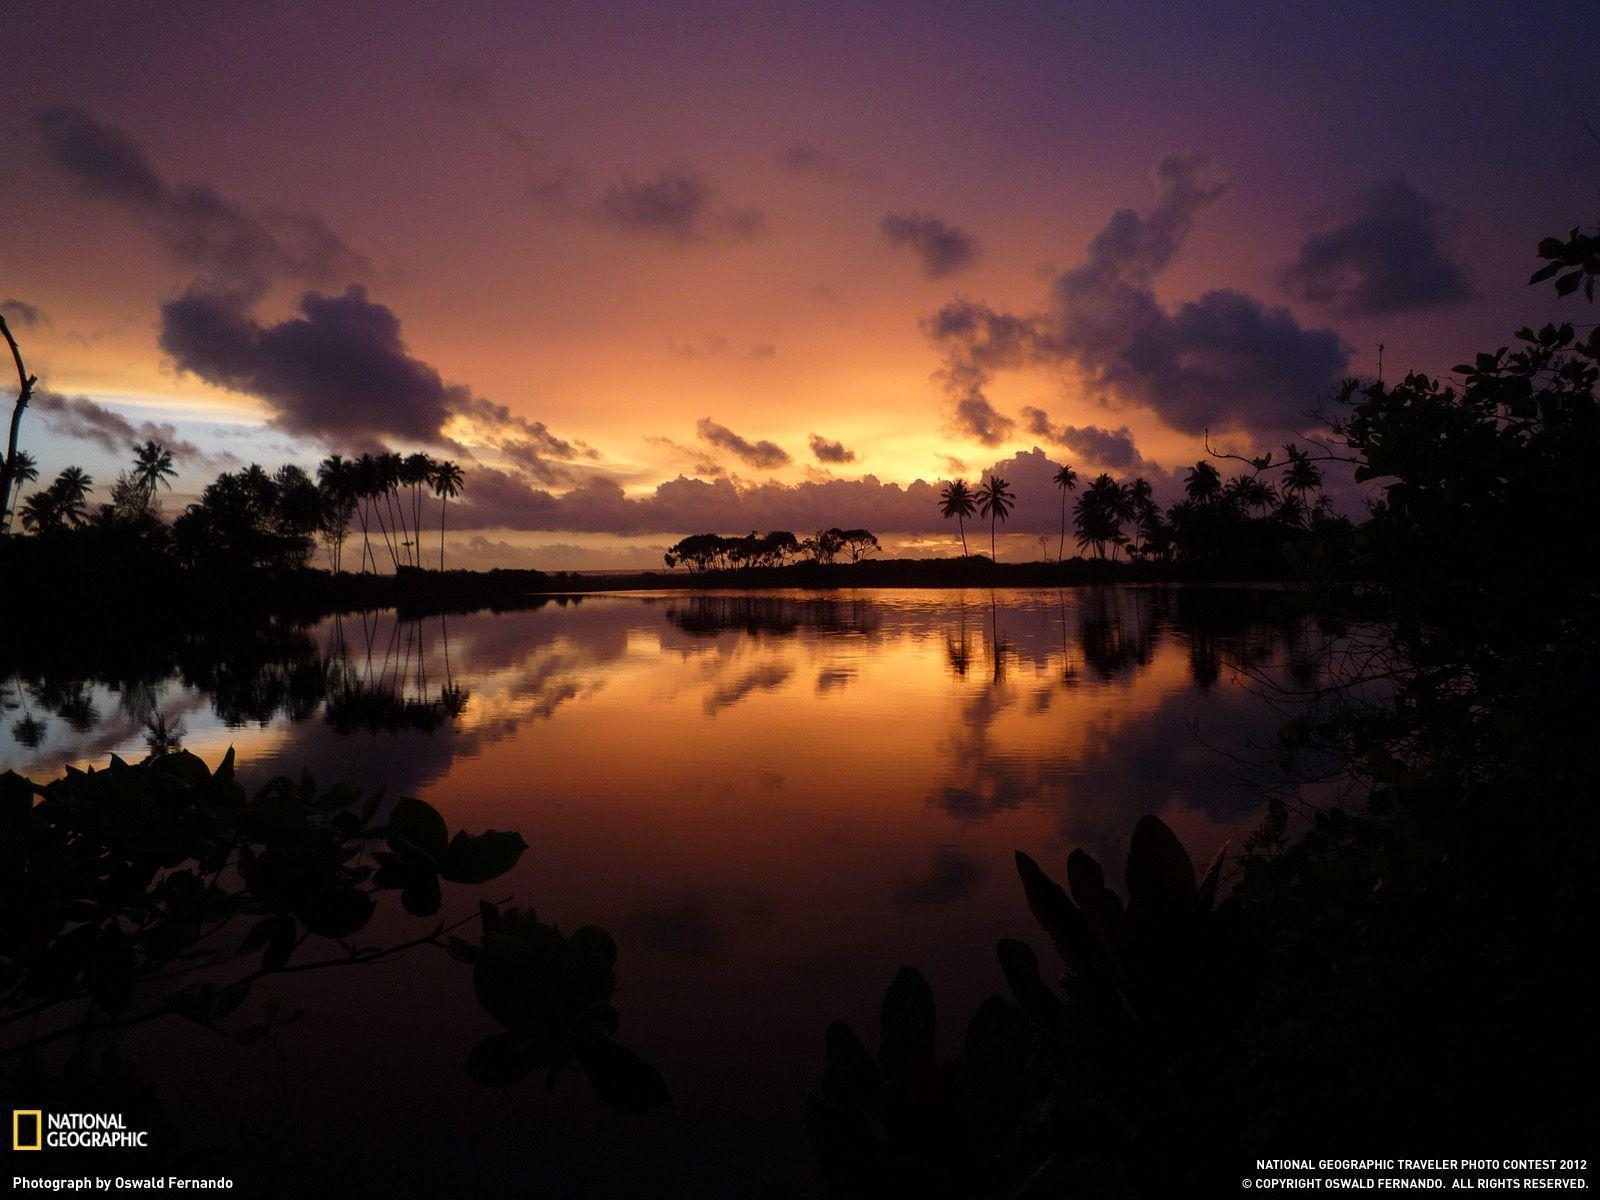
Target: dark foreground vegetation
x=1411, y=973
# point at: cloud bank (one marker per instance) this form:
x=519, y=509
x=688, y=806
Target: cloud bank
x=833, y=452
x=232, y=247
x=1388, y=257
x=1224, y=361
x=942, y=249
x=763, y=455
x=341, y=372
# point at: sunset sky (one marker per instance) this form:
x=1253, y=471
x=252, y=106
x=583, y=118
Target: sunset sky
x=651, y=269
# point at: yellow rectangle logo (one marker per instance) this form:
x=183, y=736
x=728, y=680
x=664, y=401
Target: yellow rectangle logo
x=21, y=1118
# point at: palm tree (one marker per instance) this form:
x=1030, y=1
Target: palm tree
x=41, y=514
x=1303, y=475
x=152, y=468
x=447, y=482
x=23, y=469
x=1249, y=493
x=336, y=482
x=416, y=470
x=388, y=476
x=1201, y=483
x=955, y=500
x=70, y=490
x=1142, y=504
x=995, y=501
x=1067, y=480
x=1099, y=514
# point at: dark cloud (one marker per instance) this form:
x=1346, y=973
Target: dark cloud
x=975, y=417
x=1113, y=449
x=831, y=452
x=234, y=249
x=500, y=499
x=692, y=456
x=716, y=346
x=24, y=314
x=942, y=248
x=762, y=455
x=341, y=370
x=1388, y=257
x=1223, y=361
x=81, y=417
x=675, y=205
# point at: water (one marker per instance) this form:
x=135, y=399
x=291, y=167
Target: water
x=771, y=800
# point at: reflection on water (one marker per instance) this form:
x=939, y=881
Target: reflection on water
x=771, y=799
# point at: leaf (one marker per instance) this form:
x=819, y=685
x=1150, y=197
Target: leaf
x=621, y=1078
x=479, y=858
x=1059, y=917
x=908, y=1013
x=513, y=977
x=338, y=912
x=1159, y=870
x=1086, y=878
x=851, y=1072
x=421, y=897
x=416, y=825
x=1020, y=966
x=1206, y=895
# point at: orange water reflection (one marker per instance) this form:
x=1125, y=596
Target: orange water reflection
x=771, y=800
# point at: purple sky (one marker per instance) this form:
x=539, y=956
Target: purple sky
x=651, y=269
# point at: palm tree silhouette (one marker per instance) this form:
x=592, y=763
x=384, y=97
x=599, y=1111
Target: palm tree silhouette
x=336, y=480
x=23, y=470
x=1201, y=483
x=152, y=468
x=447, y=482
x=70, y=490
x=1067, y=480
x=41, y=513
x=955, y=500
x=416, y=470
x=995, y=501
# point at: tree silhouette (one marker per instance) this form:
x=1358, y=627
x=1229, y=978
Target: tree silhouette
x=1067, y=480
x=336, y=482
x=1202, y=483
x=955, y=500
x=9, y=464
x=447, y=482
x=415, y=471
x=1098, y=514
x=152, y=469
x=23, y=470
x=995, y=501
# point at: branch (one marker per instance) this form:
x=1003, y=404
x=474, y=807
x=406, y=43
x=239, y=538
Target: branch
x=355, y=957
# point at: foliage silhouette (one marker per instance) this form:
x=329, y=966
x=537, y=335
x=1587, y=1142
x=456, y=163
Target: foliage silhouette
x=1382, y=973
x=995, y=500
x=956, y=500
x=164, y=889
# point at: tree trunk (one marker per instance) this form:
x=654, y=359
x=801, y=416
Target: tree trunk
x=25, y=384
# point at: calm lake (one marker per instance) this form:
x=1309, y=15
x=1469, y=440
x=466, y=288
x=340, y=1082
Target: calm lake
x=771, y=800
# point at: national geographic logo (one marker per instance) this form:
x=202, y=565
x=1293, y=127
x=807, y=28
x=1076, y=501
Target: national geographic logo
x=33, y=1129
x=27, y=1129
